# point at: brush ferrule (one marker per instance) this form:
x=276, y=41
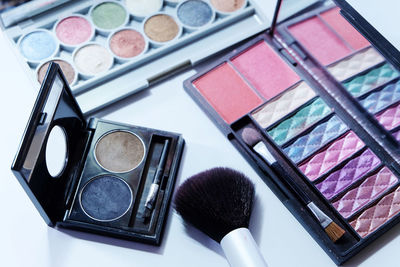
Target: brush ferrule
x=241, y=250
x=323, y=219
x=263, y=151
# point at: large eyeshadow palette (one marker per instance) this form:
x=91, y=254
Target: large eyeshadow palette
x=96, y=42
x=324, y=103
x=94, y=175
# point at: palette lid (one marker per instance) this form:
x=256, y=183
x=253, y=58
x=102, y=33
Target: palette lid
x=44, y=164
x=377, y=21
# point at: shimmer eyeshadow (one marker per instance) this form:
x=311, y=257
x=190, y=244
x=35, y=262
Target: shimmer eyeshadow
x=264, y=69
x=143, y=8
x=320, y=40
x=350, y=173
x=382, y=99
x=342, y=148
x=161, y=28
x=67, y=69
x=390, y=118
x=344, y=28
x=300, y=121
x=119, y=151
x=127, y=43
x=195, y=13
x=106, y=198
x=109, y=15
x=321, y=135
x=369, y=190
x=92, y=59
x=376, y=216
x=227, y=5
x=74, y=30
x=370, y=80
x=38, y=45
x=355, y=64
x=284, y=104
x=229, y=95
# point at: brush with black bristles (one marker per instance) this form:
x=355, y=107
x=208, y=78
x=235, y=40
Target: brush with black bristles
x=219, y=203
x=252, y=138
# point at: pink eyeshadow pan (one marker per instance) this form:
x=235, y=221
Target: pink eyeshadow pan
x=344, y=29
x=319, y=40
x=127, y=43
x=74, y=30
x=265, y=70
x=227, y=92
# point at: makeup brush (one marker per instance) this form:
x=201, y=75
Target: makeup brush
x=251, y=137
x=219, y=203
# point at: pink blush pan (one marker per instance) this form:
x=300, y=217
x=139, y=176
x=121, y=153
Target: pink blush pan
x=229, y=95
x=344, y=29
x=265, y=70
x=320, y=41
x=74, y=30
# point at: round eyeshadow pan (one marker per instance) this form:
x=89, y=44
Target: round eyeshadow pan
x=38, y=45
x=92, y=59
x=106, y=198
x=143, y=8
x=74, y=30
x=127, y=43
x=119, y=151
x=161, y=28
x=195, y=13
x=108, y=15
x=227, y=6
x=67, y=69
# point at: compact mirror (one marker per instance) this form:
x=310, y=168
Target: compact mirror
x=56, y=151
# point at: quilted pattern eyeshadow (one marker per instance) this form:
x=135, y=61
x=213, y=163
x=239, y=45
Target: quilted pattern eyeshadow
x=390, y=118
x=374, y=78
x=369, y=190
x=320, y=163
x=382, y=99
x=350, y=173
x=374, y=217
x=321, y=135
x=300, y=121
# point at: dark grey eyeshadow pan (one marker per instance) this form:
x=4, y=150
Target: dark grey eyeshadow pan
x=195, y=13
x=106, y=198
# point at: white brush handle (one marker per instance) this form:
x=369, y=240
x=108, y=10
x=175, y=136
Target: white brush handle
x=241, y=250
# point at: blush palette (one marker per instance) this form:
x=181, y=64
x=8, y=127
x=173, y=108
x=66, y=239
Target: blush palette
x=323, y=101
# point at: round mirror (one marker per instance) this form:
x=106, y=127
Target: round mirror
x=56, y=151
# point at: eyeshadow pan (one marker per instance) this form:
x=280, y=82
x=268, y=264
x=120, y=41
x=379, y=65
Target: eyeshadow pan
x=368, y=191
x=227, y=92
x=194, y=13
x=92, y=59
x=74, y=30
x=364, y=83
x=319, y=40
x=321, y=135
x=161, y=28
x=355, y=64
x=334, y=154
x=344, y=28
x=390, y=118
x=119, y=151
x=376, y=216
x=383, y=98
x=300, y=121
x=143, y=8
x=38, y=45
x=108, y=15
x=127, y=43
x=227, y=5
x=287, y=102
x=350, y=173
x=66, y=68
x=106, y=198
x=264, y=69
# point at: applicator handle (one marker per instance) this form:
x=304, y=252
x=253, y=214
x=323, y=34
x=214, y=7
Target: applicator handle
x=241, y=250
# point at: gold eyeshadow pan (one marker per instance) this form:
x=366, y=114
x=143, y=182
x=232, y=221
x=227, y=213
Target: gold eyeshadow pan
x=314, y=81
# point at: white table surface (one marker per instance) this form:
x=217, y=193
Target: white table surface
x=27, y=241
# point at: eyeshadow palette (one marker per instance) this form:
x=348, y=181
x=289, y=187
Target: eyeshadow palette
x=324, y=103
x=96, y=42
x=98, y=176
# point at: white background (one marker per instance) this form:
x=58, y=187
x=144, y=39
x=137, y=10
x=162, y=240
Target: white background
x=27, y=241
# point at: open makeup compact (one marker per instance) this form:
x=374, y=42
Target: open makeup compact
x=325, y=104
x=94, y=175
